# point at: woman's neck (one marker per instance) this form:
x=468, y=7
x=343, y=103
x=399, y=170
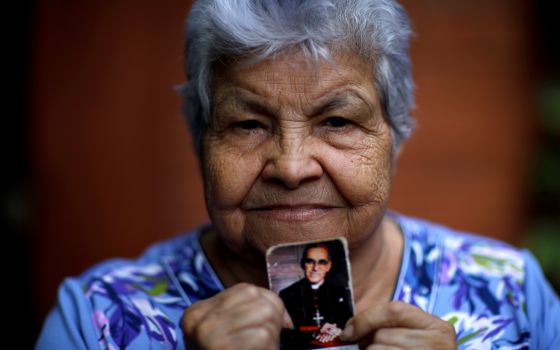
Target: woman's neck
x=376, y=265
x=230, y=267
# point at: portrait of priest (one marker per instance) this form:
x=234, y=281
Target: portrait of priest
x=318, y=306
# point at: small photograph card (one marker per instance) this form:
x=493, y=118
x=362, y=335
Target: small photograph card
x=313, y=280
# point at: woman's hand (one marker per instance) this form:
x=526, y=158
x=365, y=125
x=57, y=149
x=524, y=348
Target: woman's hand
x=241, y=317
x=397, y=325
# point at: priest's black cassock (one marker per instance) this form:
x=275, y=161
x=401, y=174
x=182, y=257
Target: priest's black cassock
x=311, y=308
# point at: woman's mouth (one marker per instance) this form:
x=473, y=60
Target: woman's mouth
x=292, y=213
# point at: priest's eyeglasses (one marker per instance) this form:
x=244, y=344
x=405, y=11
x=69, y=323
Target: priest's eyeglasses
x=320, y=262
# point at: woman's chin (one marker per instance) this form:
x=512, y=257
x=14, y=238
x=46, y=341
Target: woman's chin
x=284, y=232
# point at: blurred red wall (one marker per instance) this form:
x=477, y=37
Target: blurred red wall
x=112, y=164
x=467, y=164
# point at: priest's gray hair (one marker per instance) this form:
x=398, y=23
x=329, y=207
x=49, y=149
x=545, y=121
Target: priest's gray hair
x=378, y=30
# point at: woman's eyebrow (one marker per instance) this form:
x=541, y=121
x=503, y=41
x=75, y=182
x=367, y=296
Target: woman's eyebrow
x=248, y=104
x=256, y=107
x=333, y=101
x=336, y=101
x=334, y=104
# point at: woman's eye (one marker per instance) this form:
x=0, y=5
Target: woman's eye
x=249, y=124
x=336, y=122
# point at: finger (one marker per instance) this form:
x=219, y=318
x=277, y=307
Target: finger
x=279, y=304
x=391, y=314
x=246, y=339
x=287, y=321
x=241, y=293
x=382, y=347
x=259, y=313
x=239, y=307
x=259, y=317
x=405, y=338
x=194, y=313
x=402, y=337
x=324, y=338
x=254, y=339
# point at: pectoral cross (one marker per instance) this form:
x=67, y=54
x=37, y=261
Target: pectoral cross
x=318, y=318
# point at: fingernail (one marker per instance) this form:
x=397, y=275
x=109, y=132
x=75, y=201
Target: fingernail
x=347, y=333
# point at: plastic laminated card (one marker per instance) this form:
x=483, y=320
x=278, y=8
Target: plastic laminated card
x=314, y=281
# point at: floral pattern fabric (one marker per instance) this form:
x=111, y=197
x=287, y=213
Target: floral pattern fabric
x=477, y=284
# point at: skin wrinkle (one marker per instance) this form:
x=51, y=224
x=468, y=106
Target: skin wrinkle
x=235, y=108
x=223, y=76
x=248, y=168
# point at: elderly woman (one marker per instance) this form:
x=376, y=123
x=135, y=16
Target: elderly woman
x=297, y=111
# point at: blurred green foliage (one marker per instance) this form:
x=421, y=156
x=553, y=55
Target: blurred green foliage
x=543, y=239
x=549, y=106
x=543, y=234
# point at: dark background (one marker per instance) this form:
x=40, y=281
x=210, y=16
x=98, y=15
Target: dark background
x=97, y=161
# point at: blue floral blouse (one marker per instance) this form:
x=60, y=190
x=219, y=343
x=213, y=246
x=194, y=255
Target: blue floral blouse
x=494, y=295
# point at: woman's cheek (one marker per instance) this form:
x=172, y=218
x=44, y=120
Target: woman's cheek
x=361, y=175
x=230, y=176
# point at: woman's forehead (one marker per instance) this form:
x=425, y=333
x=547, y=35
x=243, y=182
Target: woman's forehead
x=292, y=76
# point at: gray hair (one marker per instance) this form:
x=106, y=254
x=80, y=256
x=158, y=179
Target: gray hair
x=378, y=30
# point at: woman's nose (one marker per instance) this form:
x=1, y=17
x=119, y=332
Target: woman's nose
x=292, y=165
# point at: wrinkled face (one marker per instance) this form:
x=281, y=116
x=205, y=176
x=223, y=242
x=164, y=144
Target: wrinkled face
x=295, y=152
x=316, y=264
